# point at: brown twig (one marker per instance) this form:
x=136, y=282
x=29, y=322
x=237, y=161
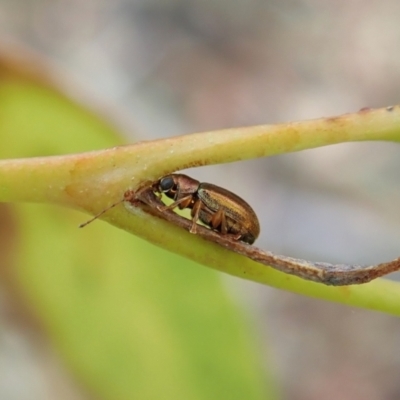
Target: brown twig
x=321, y=272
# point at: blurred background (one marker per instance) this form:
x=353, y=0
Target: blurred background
x=182, y=66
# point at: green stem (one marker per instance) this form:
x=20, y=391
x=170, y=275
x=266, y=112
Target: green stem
x=92, y=181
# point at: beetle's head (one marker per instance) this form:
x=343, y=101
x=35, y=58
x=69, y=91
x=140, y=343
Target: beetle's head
x=168, y=185
x=176, y=186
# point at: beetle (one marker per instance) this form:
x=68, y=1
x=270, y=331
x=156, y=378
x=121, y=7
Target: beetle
x=215, y=206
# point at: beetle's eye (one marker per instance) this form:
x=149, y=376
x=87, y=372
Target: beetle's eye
x=167, y=183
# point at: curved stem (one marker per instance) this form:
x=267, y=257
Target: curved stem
x=92, y=181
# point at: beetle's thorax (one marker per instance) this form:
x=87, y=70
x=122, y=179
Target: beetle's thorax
x=184, y=186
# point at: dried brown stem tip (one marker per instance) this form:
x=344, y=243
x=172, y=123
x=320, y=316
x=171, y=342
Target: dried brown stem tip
x=321, y=272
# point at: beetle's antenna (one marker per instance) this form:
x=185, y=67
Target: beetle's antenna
x=101, y=213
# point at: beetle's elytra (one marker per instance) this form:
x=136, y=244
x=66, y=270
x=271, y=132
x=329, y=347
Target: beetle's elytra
x=216, y=207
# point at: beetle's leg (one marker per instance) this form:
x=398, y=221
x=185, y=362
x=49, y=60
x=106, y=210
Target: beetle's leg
x=195, y=215
x=218, y=220
x=224, y=228
x=181, y=203
x=235, y=237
